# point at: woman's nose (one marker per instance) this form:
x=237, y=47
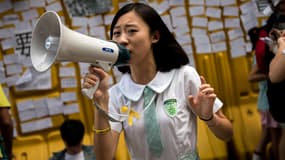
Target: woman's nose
x=123, y=40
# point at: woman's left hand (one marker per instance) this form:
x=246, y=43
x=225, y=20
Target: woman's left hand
x=202, y=104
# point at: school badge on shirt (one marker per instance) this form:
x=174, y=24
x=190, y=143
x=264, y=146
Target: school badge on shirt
x=170, y=107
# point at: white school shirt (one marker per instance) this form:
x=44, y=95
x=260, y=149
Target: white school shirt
x=178, y=131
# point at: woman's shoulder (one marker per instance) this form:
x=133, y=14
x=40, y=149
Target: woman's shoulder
x=116, y=89
x=187, y=74
x=187, y=70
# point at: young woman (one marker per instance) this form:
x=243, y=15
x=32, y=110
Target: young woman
x=158, y=63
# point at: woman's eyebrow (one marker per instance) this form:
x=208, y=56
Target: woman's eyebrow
x=126, y=25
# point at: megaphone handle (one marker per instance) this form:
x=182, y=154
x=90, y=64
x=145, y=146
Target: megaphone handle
x=90, y=91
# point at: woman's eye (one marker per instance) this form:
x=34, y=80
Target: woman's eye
x=132, y=31
x=116, y=33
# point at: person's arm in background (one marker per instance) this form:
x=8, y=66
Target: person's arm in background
x=6, y=123
x=255, y=75
x=277, y=65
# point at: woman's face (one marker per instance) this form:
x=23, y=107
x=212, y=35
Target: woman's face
x=133, y=33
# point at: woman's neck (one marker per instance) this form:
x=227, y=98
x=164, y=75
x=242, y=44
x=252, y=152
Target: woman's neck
x=143, y=74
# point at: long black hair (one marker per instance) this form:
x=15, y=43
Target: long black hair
x=269, y=24
x=168, y=54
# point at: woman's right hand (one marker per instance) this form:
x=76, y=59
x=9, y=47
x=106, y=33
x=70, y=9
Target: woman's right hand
x=97, y=75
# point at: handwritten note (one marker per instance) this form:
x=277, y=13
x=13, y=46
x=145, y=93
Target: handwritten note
x=36, y=125
x=54, y=106
x=41, y=108
x=70, y=109
x=56, y=6
x=215, y=25
x=68, y=96
x=66, y=71
x=95, y=20
x=68, y=82
x=213, y=12
x=196, y=10
x=217, y=36
x=200, y=21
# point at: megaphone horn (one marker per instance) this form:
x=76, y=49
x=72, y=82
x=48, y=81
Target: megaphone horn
x=53, y=42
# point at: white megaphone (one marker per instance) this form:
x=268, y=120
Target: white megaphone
x=53, y=42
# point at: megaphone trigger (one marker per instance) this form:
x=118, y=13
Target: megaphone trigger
x=90, y=92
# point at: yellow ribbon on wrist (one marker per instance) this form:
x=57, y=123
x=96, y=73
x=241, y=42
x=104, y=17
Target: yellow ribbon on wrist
x=101, y=131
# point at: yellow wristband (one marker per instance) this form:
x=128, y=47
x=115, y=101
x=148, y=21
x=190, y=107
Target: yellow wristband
x=101, y=131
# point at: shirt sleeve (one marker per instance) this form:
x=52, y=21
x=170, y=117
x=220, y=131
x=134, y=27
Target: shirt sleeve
x=114, y=110
x=3, y=99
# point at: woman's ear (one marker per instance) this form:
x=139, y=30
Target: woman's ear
x=155, y=37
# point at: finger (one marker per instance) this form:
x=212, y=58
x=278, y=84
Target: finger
x=191, y=100
x=87, y=85
x=90, y=68
x=212, y=96
x=204, y=86
x=90, y=81
x=91, y=76
x=100, y=72
x=203, y=80
x=208, y=91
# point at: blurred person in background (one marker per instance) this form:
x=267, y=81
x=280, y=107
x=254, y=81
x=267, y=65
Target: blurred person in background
x=276, y=84
x=6, y=126
x=72, y=133
x=270, y=129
